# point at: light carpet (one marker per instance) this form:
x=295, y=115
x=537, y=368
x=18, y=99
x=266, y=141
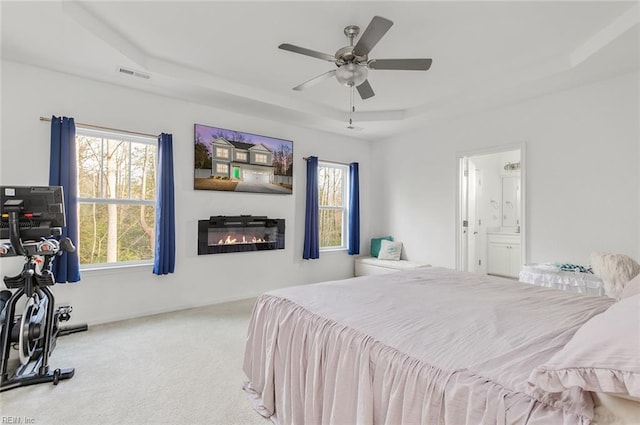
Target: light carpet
x=177, y=368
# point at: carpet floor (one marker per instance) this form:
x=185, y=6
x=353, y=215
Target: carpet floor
x=183, y=367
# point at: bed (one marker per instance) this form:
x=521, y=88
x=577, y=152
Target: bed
x=425, y=346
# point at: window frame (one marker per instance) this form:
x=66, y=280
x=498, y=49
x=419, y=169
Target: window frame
x=261, y=158
x=222, y=165
x=345, y=196
x=222, y=152
x=148, y=140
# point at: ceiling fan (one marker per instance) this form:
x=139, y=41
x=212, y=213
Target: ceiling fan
x=353, y=63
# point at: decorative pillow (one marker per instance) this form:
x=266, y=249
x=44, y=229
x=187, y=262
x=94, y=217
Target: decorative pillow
x=375, y=244
x=615, y=270
x=631, y=288
x=390, y=250
x=602, y=356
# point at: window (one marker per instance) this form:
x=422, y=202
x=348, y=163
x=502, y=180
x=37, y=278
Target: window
x=261, y=158
x=241, y=156
x=116, y=196
x=222, y=168
x=222, y=153
x=333, y=204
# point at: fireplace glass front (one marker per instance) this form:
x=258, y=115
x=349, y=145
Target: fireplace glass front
x=222, y=234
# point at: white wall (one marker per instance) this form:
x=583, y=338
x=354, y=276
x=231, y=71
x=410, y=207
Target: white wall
x=101, y=296
x=582, y=183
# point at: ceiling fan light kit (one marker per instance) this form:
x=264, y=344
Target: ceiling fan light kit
x=351, y=74
x=353, y=63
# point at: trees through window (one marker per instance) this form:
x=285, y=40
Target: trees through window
x=116, y=197
x=333, y=204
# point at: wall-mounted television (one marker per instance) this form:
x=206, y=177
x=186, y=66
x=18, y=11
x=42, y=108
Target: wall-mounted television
x=235, y=161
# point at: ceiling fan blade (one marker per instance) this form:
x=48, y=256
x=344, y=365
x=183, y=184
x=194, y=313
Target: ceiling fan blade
x=365, y=91
x=374, y=32
x=400, y=64
x=307, y=52
x=315, y=80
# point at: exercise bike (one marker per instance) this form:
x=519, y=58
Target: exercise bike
x=35, y=331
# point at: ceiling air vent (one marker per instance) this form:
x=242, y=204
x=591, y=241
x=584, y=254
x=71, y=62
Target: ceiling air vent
x=133, y=73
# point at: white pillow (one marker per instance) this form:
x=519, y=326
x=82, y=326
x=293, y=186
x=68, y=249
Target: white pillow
x=615, y=270
x=390, y=250
x=603, y=355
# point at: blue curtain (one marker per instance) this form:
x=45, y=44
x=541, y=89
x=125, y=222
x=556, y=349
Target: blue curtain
x=311, y=225
x=354, y=210
x=62, y=172
x=165, y=244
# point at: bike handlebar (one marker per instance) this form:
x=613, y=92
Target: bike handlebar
x=45, y=247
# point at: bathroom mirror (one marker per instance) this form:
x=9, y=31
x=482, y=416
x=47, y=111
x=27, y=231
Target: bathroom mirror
x=511, y=201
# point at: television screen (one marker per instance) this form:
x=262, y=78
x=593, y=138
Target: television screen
x=40, y=210
x=235, y=161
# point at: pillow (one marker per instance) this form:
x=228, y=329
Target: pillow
x=390, y=250
x=631, y=288
x=375, y=244
x=603, y=355
x=615, y=270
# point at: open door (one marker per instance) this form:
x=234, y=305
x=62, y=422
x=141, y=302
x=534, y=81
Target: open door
x=490, y=221
x=463, y=220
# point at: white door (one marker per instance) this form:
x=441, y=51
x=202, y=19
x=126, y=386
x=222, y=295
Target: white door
x=464, y=220
x=472, y=217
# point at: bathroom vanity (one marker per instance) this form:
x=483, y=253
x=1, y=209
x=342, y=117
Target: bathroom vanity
x=504, y=254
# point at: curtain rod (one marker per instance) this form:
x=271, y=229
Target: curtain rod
x=97, y=127
x=306, y=158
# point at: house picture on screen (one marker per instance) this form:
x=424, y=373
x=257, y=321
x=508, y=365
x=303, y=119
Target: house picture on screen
x=235, y=161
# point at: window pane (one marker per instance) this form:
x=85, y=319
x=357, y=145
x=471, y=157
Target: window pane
x=112, y=233
x=222, y=153
x=112, y=168
x=89, y=166
x=115, y=170
x=330, y=186
x=143, y=171
x=330, y=228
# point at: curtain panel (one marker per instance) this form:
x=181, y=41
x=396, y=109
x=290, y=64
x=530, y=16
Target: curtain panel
x=311, y=220
x=63, y=172
x=165, y=229
x=354, y=210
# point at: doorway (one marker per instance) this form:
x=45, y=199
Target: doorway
x=490, y=215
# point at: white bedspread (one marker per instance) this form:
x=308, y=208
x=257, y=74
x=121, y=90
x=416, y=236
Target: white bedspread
x=428, y=346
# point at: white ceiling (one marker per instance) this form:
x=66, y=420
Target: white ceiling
x=225, y=53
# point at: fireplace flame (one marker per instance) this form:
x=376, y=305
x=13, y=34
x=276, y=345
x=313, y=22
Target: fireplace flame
x=231, y=241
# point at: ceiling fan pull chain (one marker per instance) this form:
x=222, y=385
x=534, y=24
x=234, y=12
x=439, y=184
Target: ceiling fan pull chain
x=352, y=107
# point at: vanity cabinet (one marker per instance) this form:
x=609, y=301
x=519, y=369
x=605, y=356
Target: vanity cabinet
x=503, y=257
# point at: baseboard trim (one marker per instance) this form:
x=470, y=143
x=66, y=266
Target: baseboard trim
x=154, y=312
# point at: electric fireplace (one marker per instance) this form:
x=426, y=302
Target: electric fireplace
x=224, y=234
